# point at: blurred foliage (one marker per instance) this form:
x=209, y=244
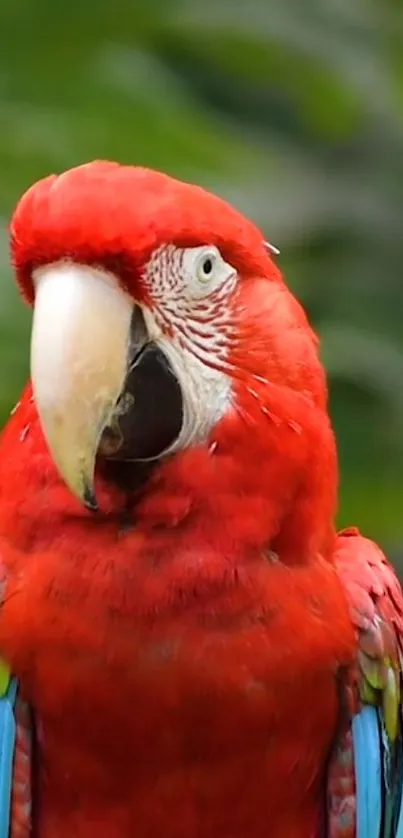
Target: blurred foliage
x=293, y=111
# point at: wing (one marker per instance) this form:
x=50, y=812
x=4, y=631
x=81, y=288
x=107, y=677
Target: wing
x=15, y=760
x=365, y=775
x=15, y=753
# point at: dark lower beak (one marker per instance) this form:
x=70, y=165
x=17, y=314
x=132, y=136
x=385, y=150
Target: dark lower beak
x=149, y=413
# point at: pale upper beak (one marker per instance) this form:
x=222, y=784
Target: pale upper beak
x=79, y=362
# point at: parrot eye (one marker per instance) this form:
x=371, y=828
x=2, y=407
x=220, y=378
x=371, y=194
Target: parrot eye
x=206, y=267
x=206, y=270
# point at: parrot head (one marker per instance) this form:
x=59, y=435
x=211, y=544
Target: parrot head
x=160, y=323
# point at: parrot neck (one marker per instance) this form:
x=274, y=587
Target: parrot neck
x=266, y=480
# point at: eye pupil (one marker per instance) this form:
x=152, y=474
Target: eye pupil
x=207, y=266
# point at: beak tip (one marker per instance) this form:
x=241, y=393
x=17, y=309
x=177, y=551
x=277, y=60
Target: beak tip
x=90, y=500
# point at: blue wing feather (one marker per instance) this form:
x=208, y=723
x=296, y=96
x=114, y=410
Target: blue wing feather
x=7, y=748
x=399, y=833
x=368, y=772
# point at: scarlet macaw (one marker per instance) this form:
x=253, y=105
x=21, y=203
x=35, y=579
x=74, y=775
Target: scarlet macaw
x=198, y=653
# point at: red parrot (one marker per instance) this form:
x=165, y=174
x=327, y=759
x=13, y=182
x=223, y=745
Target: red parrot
x=198, y=653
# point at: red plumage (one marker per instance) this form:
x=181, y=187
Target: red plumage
x=181, y=649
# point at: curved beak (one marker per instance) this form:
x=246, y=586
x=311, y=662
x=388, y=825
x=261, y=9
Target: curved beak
x=79, y=362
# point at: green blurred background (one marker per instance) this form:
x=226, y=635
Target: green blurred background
x=291, y=109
